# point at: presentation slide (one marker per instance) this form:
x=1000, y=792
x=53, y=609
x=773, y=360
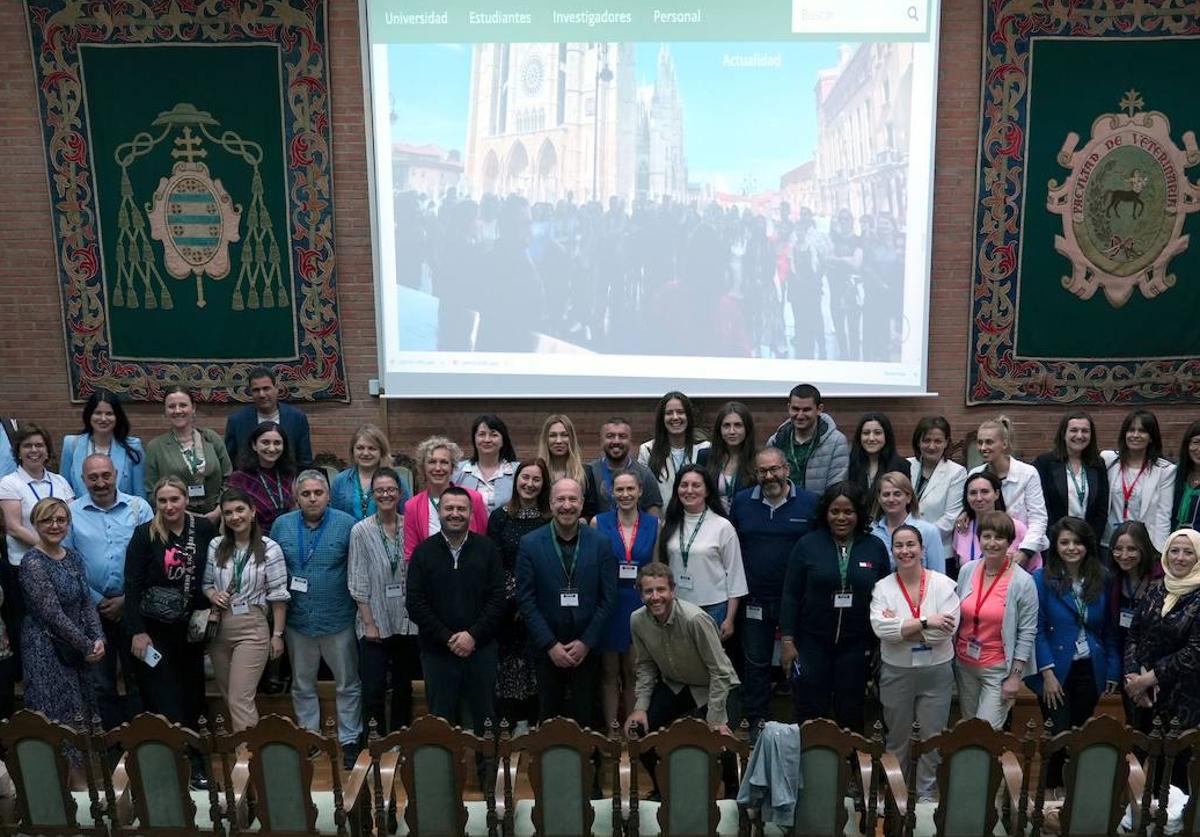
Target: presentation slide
x=616, y=199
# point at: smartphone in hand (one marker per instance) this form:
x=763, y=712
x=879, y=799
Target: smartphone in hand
x=153, y=656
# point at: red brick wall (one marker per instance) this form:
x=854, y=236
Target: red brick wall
x=33, y=379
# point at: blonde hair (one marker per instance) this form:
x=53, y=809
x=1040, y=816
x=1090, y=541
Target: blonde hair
x=427, y=447
x=372, y=433
x=46, y=507
x=898, y=480
x=1003, y=425
x=574, y=468
x=158, y=526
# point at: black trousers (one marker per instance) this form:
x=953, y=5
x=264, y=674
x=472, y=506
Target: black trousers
x=449, y=679
x=115, y=708
x=1079, y=701
x=666, y=707
x=391, y=661
x=569, y=692
x=832, y=682
x=174, y=687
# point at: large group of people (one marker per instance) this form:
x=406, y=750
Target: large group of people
x=691, y=575
x=586, y=273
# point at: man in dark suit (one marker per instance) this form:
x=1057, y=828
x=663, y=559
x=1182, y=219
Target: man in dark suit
x=566, y=588
x=264, y=389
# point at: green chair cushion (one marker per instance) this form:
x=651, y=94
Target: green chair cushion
x=43, y=786
x=285, y=792
x=159, y=766
x=1092, y=798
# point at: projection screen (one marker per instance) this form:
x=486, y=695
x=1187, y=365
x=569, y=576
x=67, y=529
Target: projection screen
x=616, y=199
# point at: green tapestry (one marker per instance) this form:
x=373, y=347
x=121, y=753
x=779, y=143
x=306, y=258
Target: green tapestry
x=155, y=113
x=1126, y=226
x=188, y=153
x=1086, y=278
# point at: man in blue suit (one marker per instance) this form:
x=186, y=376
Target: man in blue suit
x=566, y=588
x=264, y=389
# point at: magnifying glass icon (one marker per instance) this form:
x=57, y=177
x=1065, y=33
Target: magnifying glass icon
x=912, y=12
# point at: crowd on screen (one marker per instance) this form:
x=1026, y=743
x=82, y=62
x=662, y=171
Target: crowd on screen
x=697, y=573
x=587, y=273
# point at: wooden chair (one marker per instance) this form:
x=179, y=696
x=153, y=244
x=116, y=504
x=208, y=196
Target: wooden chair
x=827, y=763
x=1102, y=774
x=148, y=793
x=975, y=760
x=41, y=772
x=689, y=771
x=562, y=774
x=1175, y=746
x=268, y=776
x=432, y=759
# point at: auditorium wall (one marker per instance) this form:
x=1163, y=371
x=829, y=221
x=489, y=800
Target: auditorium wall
x=33, y=376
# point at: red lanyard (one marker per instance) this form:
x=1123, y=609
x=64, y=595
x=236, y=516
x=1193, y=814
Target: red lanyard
x=1127, y=489
x=915, y=610
x=632, y=538
x=981, y=597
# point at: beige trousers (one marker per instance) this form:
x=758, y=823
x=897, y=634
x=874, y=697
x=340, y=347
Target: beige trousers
x=239, y=655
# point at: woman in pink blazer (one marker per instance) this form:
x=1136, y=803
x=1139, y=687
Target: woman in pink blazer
x=436, y=458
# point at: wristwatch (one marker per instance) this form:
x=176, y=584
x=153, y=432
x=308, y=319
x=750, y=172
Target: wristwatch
x=277, y=635
x=924, y=623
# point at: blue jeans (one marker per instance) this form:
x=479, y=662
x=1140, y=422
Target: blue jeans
x=758, y=647
x=717, y=611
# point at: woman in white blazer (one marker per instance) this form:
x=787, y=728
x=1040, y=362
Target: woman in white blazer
x=937, y=479
x=677, y=440
x=1019, y=482
x=1140, y=481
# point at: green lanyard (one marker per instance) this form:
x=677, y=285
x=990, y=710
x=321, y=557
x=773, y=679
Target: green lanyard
x=1080, y=608
x=1079, y=484
x=391, y=546
x=562, y=561
x=238, y=566
x=686, y=550
x=190, y=459
x=844, y=562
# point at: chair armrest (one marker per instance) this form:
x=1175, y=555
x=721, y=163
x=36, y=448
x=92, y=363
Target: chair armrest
x=1137, y=784
x=624, y=788
x=353, y=784
x=1011, y=768
x=894, y=777
x=388, y=763
x=120, y=782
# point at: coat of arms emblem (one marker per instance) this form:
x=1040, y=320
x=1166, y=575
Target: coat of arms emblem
x=1124, y=203
x=194, y=219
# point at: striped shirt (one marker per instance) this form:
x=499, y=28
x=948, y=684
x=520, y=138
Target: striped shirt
x=371, y=573
x=259, y=584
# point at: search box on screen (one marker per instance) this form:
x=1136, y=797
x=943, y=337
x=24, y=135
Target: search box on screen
x=860, y=17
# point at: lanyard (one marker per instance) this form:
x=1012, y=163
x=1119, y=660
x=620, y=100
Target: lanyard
x=238, y=567
x=844, y=561
x=1080, y=608
x=37, y=497
x=277, y=499
x=1079, y=484
x=306, y=551
x=730, y=484
x=974, y=540
x=922, y=482
x=981, y=597
x=1128, y=489
x=364, y=498
x=628, y=544
x=562, y=561
x=391, y=546
x=915, y=610
x=686, y=550
x=194, y=462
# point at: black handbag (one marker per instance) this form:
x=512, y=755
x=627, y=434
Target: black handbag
x=67, y=654
x=168, y=604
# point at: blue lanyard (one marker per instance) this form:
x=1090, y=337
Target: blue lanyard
x=36, y=497
x=306, y=551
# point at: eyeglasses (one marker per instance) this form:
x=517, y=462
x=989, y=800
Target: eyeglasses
x=385, y=492
x=55, y=521
x=770, y=472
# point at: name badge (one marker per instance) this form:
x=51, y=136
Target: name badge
x=866, y=565
x=627, y=572
x=922, y=655
x=754, y=612
x=974, y=649
x=1081, y=647
x=841, y=600
x=300, y=585
x=684, y=582
x=393, y=591
x=568, y=598
x=1126, y=618
x=195, y=492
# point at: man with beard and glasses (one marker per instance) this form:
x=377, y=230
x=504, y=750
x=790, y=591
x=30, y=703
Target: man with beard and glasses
x=769, y=518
